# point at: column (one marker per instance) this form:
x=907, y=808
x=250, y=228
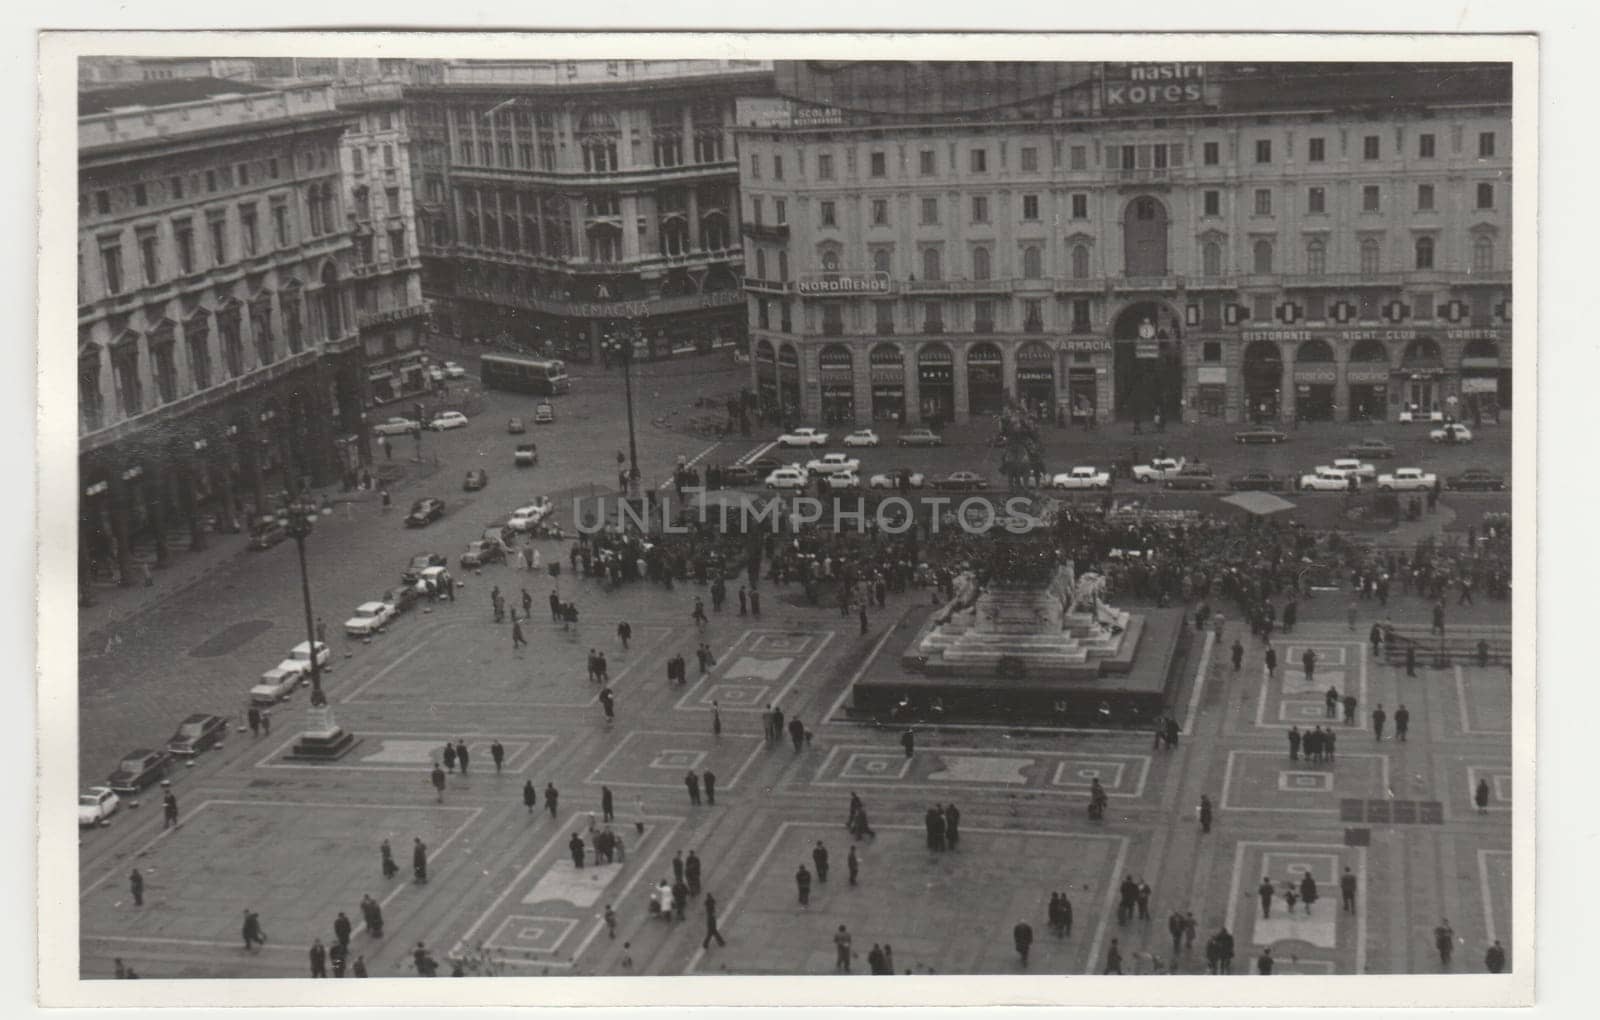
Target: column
x=249, y=444
x=188, y=504
x=120, y=529
x=630, y=227
x=913, y=383
x=220, y=468
x=153, y=490
x=1343, y=405
x=1286, y=408
x=958, y=373
x=861, y=377
x=694, y=218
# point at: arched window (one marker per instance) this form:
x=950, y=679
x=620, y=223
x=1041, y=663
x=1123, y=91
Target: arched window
x=1032, y=265
x=1080, y=262
x=1316, y=257
x=880, y=260
x=1211, y=259
x=980, y=263
x=1483, y=254
x=1262, y=256
x=1144, y=209
x=1424, y=248
x=932, y=266
x=1369, y=257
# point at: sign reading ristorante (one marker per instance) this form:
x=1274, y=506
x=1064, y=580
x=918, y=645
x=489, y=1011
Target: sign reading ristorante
x=1296, y=335
x=842, y=284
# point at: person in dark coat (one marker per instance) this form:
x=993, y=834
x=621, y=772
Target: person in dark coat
x=359, y=968
x=1402, y=722
x=908, y=740
x=1347, y=891
x=497, y=751
x=802, y=883
x=136, y=886
x=1308, y=662
x=819, y=857
x=1494, y=961
x=677, y=866
x=1330, y=702
x=797, y=734
x=462, y=755
x=711, y=902
x=1308, y=891
x=1271, y=657
x=691, y=783
x=1265, y=892
x=338, y=953
x=1022, y=938
x=341, y=929
x=575, y=845
x=438, y=778
x=1480, y=796
x=530, y=796
x=708, y=779
x=952, y=826
x=390, y=868
x=551, y=796
x=853, y=864
x=1411, y=660
x=449, y=756
x=1294, y=743
x=1238, y=655
x=253, y=935
x=680, y=899
x=169, y=810
x=1113, y=959
x=1225, y=950
x=319, y=959
x=934, y=821
x=419, y=860
x=691, y=873
x=373, y=913
x=1264, y=962
x=1205, y=814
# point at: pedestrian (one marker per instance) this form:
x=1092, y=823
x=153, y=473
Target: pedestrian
x=876, y=964
x=136, y=886
x=698, y=616
x=1411, y=660
x=1494, y=961
x=1113, y=959
x=319, y=959
x=1402, y=722
x=819, y=857
x=691, y=873
x=1271, y=657
x=1480, y=796
x=253, y=934
x=1347, y=891
x=497, y=751
x=341, y=929
x=517, y=640
x=624, y=633
x=1143, y=900
x=1308, y=891
x=390, y=868
x=373, y=914
x=611, y=922
x=169, y=810
x=608, y=704
x=708, y=779
x=711, y=924
x=802, y=882
x=1350, y=704
x=419, y=861
x=254, y=717
x=716, y=720
x=438, y=780
x=338, y=953
x=1330, y=702
x=1308, y=662
x=607, y=804
x=359, y=968
x=755, y=602
x=1265, y=892
x=908, y=740
x=1175, y=928
x=1205, y=814
x=1022, y=938
x=744, y=600
x=462, y=755
x=551, y=796
x=527, y=600
x=1444, y=940
x=841, y=950
x=530, y=796
x=952, y=826
x=1238, y=655
x=1264, y=962
x=423, y=960
x=1379, y=717
x=862, y=615
x=1294, y=743
x=853, y=864
x=691, y=782
x=797, y=733
x=576, y=847
x=449, y=756
x=934, y=822
x=266, y=722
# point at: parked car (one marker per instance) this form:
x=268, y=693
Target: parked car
x=1407, y=480
x=1326, y=479
x=544, y=414
x=1476, y=480
x=1452, y=433
x=1413, y=413
x=139, y=769
x=369, y=618
x=1084, y=477
x=424, y=512
x=1193, y=476
x=1272, y=436
x=1374, y=448
x=266, y=532
x=862, y=437
x=1353, y=466
x=479, y=553
x=97, y=804
x=803, y=437
x=396, y=427
x=844, y=481
x=526, y=455
x=526, y=518
x=1158, y=470
x=794, y=477
x=431, y=580
x=476, y=479
x=300, y=657
x=516, y=426
x=419, y=563
x=199, y=732
x=892, y=479
x=275, y=685
x=764, y=466
x=1255, y=481
x=920, y=437
x=966, y=480
x=735, y=475
x=454, y=371
x=448, y=420
x=400, y=599
x=435, y=374
x=830, y=463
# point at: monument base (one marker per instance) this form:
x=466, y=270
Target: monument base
x=323, y=740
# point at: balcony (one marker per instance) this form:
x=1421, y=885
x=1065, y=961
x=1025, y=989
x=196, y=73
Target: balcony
x=883, y=329
x=933, y=327
x=832, y=328
x=768, y=286
x=983, y=326
x=385, y=316
x=636, y=308
x=765, y=231
x=1033, y=326
x=958, y=286
x=1083, y=285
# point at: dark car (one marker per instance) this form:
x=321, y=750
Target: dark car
x=735, y=475
x=526, y=455
x=1371, y=448
x=476, y=479
x=266, y=532
x=482, y=552
x=419, y=563
x=1476, y=480
x=1193, y=476
x=425, y=512
x=1259, y=436
x=516, y=426
x=139, y=769
x=198, y=733
x=1255, y=481
x=963, y=480
x=403, y=597
x=764, y=466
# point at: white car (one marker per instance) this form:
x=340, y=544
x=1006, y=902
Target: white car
x=1082, y=478
x=275, y=685
x=431, y=579
x=803, y=437
x=1413, y=413
x=449, y=420
x=1351, y=466
x=788, y=478
x=97, y=804
x=369, y=618
x=831, y=463
x=1158, y=470
x=299, y=659
x=891, y=480
x=526, y=518
x=1325, y=479
x=1406, y=480
x=395, y=427
x=862, y=437
x=1452, y=433
x=454, y=371
x=844, y=481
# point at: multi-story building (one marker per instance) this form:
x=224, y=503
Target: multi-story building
x=562, y=202
x=1220, y=242
x=218, y=355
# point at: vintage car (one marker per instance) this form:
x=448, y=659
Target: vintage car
x=829, y=463
x=139, y=769
x=1271, y=436
x=424, y=512
x=794, y=477
x=862, y=437
x=1255, y=481
x=1083, y=477
x=97, y=804
x=1476, y=480
x=1193, y=476
x=1407, y=480
x=1326, y=479
x=806, y=436
x=1158, y=470
x=920, y=437
x=369, y=618
x=447, y=420
x=1452, y=433
x=199, y=732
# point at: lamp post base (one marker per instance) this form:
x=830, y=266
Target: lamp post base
x=323, y=739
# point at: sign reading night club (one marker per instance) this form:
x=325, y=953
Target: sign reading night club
x=842, y=284
x=1174, y=84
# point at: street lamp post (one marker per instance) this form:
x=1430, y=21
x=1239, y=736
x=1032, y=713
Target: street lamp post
x=623, y=348
x=297, y=520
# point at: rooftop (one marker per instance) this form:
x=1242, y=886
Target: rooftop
x=164, y=92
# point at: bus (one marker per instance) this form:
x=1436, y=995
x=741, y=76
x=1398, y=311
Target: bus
x=543, y=377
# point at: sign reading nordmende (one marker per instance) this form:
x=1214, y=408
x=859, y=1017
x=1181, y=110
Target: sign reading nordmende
x=842, y=284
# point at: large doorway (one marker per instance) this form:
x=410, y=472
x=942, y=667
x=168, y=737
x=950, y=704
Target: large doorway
x=836, y=367
x=1368, y=378
x=1485, y=386
x=1144, y=237
x=1036, y=379
x=887, y=366
x=1421, y=370
x=767, y=376
x=1315, y=378
x=1263, y=381
x=985, y=382
x=936, y=384
x=1147, y=359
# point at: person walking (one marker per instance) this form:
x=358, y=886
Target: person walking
x=853, y=864
x=341, y=929
x=1379, y=718
x=1444, y=940
x=1264, y=962
x=497, y=752
x=1402, y=722
x=1265, y=892
x=359, y=967
x=797, y=734
x=1494, y=960
x=1330, y=703
x=819, y=857
x=373, y=915
x=449, y=756
x=1175, y=928
x=607, y=804
x=1022, y=938
x=708, y=779
x=908, y=740
x=952, y=826
x=802, y=883
x=1480, y=796
x=691, y=782
x=691, y=873
x=530, y=796
x=338, y=954
x=1411, y=660
x=1271, y=657
x=1294, y=743
x=1205, y=814
x=1238, y=655
x=716, y=720
x=861, y=613
x=624, y=633
x=437, y=778
x=386, y=853
x=169, y=811
x=552, y=797
x=1308, y=662
x=253, y=716
x=608, y=705
x=253, y=934
x=698, y=616
x=319, y=959
x=1308, y=891
x=711, y=924
x=419, y=861
x=517, y=640
x=462, y=754
x=1113, y=959
x=136, y=886
x=841, y=950
x=1347, y=891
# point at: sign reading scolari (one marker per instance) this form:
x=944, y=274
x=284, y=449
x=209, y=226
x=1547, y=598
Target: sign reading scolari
x=843, y=284
x=1174, y=84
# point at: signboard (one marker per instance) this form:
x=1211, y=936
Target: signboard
x=817, y=116
x=1211, y=375
x=1316, y=375
x=842, y=284
x=1143, y=85
x=1035, y=375
x=764, y=113
x=1300, y=335
x=1368, y=376
x=1086, y=346
x=1480, y=363
x=1147, y=349
x=1473, y=334
x=1480, y=384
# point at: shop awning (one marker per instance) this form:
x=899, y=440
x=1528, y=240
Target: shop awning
x=1259, y=504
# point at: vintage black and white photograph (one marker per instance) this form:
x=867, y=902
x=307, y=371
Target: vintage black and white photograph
x=546, y=515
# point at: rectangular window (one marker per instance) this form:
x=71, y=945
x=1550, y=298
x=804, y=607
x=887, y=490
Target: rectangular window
x=756, y=205
x=219, y=240
x=880, y=165
x=141, y=195
x=980, y=209
x=1030, y=159
x=1369, y=303
x=930, y=211
x=1317, y=307
x=183, y=242
x=1422, y=305
x=166, y=373
x=247, y=229
x=832, y=319
x=1211, y=350
x=1263, y=150
x=391, y=198
x=1080, y=315
x=357, y=162
x=980, y=161
x=1080, y=157
x=1424, y=198
x=777, y=167
x=1369, y=198
x=199, y=359
x=1485, y=196
x=926, y=164
x=388, y=156
x=1033, y=315
x=785, y=318
x=1211, y=154
x=783, y=269
x=755, y=166
x=880, y=212
x=1485, y=144
x=1261, y=308
x=1213, y=203
x=272, y=168
x=1080, y=206
x=1369, y=147
x=763, y=314
x=780, y=211
x=1316, y=200
x=125, y=367
x=1317, y=150
x=1130, y=157
x=828, y=214
x=149, y=260
x=397, y=243
x=211, y=181
x=111, y=262
x=824, y=166
x=1030, y=207
x=1425, y=144
x=1263, y=202
x=227, y=176
x=280, y=224
x=933, y=317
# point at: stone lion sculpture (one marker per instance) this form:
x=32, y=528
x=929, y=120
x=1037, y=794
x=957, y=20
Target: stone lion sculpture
x=1089, y=590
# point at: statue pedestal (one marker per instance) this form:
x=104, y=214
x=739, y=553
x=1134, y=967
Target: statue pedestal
x=323, y=739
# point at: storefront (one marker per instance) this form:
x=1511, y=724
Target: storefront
x=789, y=379
x=936, y=384
x=1211, y=390
x=986, y=388
x=1418, y=386
x=1263, y=381
x=1036, y=378
x=886, y=365
x=836, y=372
x=1368, y=384
x=766, y=374
x=1485, y=382
x=381, y=387
x=1086, y=367
x=1316, y=379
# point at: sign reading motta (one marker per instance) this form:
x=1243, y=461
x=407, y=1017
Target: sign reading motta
x=1154, y=84
x=844, y=283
